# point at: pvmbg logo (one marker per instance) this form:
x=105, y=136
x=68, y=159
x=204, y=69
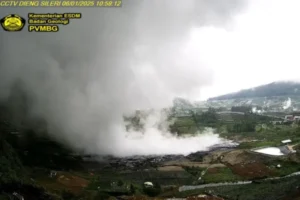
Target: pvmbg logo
x=12, y=23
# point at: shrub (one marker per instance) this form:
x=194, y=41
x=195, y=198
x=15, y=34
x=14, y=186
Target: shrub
x=152, y=191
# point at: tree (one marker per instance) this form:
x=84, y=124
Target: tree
x=120, y=183
x=209, y=117
x=68, y=195
x=152, y=191
x=132, y=189
x=244, y=109
x=241, y=127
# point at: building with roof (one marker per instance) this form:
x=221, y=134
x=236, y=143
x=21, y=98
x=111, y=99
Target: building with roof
x=286, y=141
x=148, y=184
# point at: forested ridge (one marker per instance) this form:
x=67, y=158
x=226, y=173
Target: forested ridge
x=269, y=90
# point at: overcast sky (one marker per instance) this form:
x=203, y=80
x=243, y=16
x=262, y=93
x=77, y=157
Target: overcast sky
x=261, y=46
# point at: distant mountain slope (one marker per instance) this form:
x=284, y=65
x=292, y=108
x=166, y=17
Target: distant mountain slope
x=269, y=90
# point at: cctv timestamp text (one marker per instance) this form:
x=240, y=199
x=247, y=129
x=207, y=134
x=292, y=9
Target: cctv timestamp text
x=117, y=3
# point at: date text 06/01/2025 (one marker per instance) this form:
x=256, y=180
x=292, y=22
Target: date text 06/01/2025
x=67, y=3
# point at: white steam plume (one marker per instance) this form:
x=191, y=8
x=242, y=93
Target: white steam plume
x=287, y=104
x=82, y=79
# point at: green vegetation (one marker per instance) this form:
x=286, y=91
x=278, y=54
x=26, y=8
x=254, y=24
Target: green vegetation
x=27, y=160
x=184, y=125
x=212, y=175
x=268, y=190
x=271, y=136
x=228, y=124
x=195, y=171
x=134, y=122
x=220, y=174
x=241, y=127
x=286, y=167
x=269, y=90
x=244, y=109
x=185, y=122
x=208, y=119
x=152, y=191
x=11, y=168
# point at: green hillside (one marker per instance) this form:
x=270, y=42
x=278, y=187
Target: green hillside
x=269, y=90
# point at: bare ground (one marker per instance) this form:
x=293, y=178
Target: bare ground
x=73, y=183
x=251, y=170
x=193, y=164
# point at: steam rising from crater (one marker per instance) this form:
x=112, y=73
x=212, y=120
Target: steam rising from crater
x=82, y=79
x=287, y=104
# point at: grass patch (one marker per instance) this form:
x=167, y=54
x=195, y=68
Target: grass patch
x=213, y=175
x=287, y=167
x=184, y=125
x=222, y=174
x=269, y=190
x=185, y=121
x=195, y=171
x=272, y=136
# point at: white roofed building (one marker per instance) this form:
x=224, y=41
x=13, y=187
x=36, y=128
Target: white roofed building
x=286, y=141
x=148, y=184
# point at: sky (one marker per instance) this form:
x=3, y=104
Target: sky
x=262, y=45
